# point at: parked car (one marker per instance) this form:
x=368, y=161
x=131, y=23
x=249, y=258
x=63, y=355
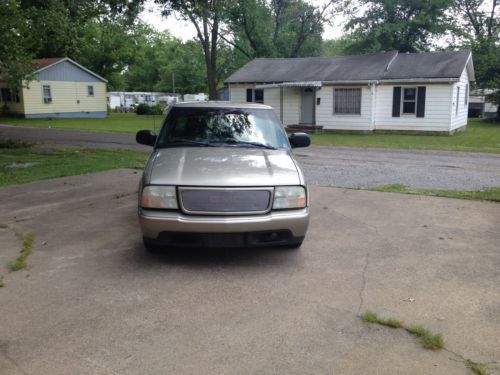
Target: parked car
x=222, y=175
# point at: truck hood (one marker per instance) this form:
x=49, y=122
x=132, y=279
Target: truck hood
x=223, y=166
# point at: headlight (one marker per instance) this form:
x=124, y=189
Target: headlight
x=159, y=197
x=289, y=197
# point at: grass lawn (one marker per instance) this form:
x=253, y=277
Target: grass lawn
x=480, y=136
x=114, y=123
x=25, y=164
x=487, y=194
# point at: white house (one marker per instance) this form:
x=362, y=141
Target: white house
x=61, y=88
x=479, y=106
x=380, y=92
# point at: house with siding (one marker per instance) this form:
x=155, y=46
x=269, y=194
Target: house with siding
x=379, y=92
x=60, y=88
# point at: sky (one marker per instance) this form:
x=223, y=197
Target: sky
x=185, y=30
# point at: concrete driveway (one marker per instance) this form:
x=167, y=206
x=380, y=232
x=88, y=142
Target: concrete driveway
x=328, y=166
x=94, y=302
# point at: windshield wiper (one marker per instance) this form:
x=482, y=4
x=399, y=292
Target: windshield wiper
x=188, y=142
x=255, y=144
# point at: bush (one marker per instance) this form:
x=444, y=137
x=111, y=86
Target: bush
x=144, y=109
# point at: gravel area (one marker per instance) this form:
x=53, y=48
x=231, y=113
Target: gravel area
x=365, y=168
x=329, y=166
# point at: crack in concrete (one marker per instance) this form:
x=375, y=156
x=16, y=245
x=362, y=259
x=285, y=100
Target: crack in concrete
x=363, y=285
x=367, y=258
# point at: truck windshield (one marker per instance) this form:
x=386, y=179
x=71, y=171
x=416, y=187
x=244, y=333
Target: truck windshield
x=222, y=127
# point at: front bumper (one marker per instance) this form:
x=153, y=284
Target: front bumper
x=290, y=225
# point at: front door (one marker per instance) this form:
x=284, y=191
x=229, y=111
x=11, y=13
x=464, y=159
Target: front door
x=307, y=106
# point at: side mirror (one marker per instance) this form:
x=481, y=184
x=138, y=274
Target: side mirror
x=146, y=137
x=299, y=140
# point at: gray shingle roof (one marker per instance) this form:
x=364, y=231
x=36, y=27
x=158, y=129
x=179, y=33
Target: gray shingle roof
x=375, y=66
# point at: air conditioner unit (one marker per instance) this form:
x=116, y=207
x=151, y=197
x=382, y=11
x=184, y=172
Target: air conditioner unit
x=47, y=100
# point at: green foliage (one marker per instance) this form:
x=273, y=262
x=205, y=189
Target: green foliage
x=15, y=59
x=486, y=194
x=429, y=340
x=403, y=25
x=159, y=58
x=277, y=28
x=371, y=317
x=477, y=368
x=337, y=47
x=144, y=109
x=20, y=262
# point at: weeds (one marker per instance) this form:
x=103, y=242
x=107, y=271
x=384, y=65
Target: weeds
x=14, y=143
x=431, y=341
x=477, y=368
x=3, y=226
x=371, y=317
x=20, y=262
x=1, y=282
x=486, y=194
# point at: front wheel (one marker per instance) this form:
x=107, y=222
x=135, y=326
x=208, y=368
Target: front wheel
x=150, y=246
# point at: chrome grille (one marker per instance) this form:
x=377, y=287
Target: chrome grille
x=225, y=201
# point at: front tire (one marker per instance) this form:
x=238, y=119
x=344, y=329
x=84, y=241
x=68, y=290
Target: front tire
x=150, y=246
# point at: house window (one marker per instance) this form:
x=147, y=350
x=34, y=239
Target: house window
x=6, y=95
x=90, y=90
x=249, y=95
x=458, y=100
x=347, y=101
x=466, y=98
x=259, y=96
x=256, y=96
x=47, y=94
x=409, y=98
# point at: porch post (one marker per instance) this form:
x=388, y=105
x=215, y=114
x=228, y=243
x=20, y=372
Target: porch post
x=281, y=104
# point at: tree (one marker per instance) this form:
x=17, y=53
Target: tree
x=277, y=28
x=109, y=47
x=15, y=60
x=337, y=47
x=482, y=36
x=206, y=17
x=160, y=57
x=56, y=27
x=402, y=25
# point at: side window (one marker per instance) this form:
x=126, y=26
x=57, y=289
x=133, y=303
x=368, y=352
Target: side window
x=347, y=101
x=259, y=96
x=47, y=94
x=90, y=90
x=458, y=100
x=409, y=100
x=249, y=95
x=255, y=96
x=6, y=95
x=466, y=98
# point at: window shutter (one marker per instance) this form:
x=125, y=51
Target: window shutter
x=421, y=101
x=396, y=101
x=249, y=95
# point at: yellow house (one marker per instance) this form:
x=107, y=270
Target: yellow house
x=61, y=88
